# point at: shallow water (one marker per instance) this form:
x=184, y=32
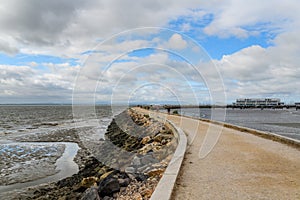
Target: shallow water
x=64, y=166
x=285, y=122
x=37, y=133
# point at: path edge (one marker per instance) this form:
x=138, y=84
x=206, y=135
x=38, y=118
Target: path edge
x=165, y=186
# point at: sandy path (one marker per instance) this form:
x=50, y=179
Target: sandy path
x=241, y=166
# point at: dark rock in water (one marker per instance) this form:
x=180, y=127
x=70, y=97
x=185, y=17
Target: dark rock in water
x=108, y=187
x=91, y=194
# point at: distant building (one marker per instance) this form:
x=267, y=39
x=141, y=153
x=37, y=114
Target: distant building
x=257, y=102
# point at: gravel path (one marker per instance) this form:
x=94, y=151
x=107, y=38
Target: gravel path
x=241, y=166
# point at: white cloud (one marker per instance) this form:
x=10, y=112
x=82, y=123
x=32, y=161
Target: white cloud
x=261, y=72
x=232, y=17
x=176, y=42
x=68, y=28
x=22, y=84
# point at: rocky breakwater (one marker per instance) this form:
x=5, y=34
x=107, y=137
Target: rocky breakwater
x=127, y=164
x=135, y=152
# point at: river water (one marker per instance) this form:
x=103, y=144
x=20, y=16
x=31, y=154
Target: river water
x=284, y=122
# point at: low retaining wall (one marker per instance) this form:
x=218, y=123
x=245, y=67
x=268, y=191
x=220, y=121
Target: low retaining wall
x=164, y=189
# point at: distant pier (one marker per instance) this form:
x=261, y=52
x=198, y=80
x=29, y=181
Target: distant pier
x=232, y=106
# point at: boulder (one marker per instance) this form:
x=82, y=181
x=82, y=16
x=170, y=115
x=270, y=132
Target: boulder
x=124, y=182
x=89, y=181
x=107, y=174
x=147, y=159
x=91, y=194
x=108, y=187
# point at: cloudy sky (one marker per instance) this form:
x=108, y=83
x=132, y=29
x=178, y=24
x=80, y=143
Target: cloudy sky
x=200, y=51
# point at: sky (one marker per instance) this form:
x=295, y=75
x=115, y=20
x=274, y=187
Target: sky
x=187, y=52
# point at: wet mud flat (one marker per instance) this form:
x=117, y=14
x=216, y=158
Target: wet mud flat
x=33, y=161
x=23, y=162
x=127, y=164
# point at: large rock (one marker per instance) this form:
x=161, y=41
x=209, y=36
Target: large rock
x=89, y=181
x=107, y=174
x=124, y=182
x=108, y=187
x=91, y=194
x=148, y=159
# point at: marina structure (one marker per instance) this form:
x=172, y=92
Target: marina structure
x=258, y=102
x=242, y=103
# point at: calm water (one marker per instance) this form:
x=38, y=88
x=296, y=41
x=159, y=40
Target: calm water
x=284, y=122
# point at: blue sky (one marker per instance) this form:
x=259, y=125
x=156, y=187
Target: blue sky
x=253, y=46
x=217, y=46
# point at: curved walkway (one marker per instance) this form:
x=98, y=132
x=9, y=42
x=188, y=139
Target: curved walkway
x=240, y=166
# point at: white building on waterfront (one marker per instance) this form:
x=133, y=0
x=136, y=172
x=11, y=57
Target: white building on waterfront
x=257, y=102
